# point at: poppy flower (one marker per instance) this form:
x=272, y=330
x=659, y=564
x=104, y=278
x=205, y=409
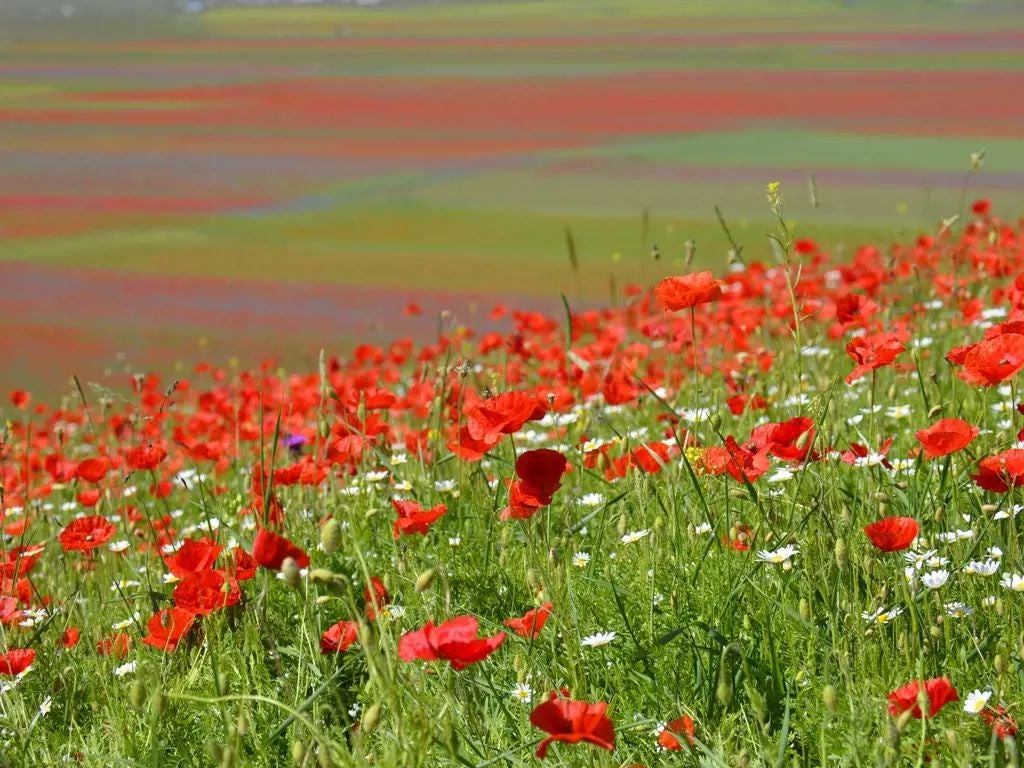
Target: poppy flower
x=531, y=622
x=339, y=637
x=376, y=597
x=572, y=722
x=167, y=628
x=117, y=644
x=1001, y=472
x=871, y=352
x=540, y=475
x=145, y=457
x=412, y=518
x=687, y=291
x=993, y=361
x=455, y=641
x=9, y=611
x=503, y=414
x=69, y=637
x=92, y=470
x=243, y=566
x=892, y=534
x=16, y=661
x=270, y=549
x=945, y=437
x=20, y=399
x=86, y=533
x=669, y=737
x=1000, y=721
x=192, y=556
x=204, y=592
x=939, y=691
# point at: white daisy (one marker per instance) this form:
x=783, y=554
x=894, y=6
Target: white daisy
x=633, y=536
x=958, y=610
x=882, y=616
x=599, y=639
x=1014, y=581
x=780, y=555
x=523, y=693
x=935, y=579
x=125, y=669
x=976, y=702
x=592, y=500
x=580, y=559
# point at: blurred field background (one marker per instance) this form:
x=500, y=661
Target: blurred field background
x=264, y=182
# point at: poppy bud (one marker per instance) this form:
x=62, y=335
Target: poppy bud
x=715, y=422
x=934, y=411
x=299, y=752
x=805, y=609
x=330, y=536
x=1000, y=608
x=999, y=664
x=242, y=725
x=842, y=554
x=365, y=635
x=952, y=739
x=324, y=759
x=371, y=718
x=989, y=509
x=738, y=493
x=157, y=703
x=623, y=525
x=553, y=556
x=322, y=600
x=214, y=750
x=723, y=691
x=830, y=697
x=935, y=632
x=689, y=251
x=324, y=428
x=940, y=513
x=659, y=523
x=292, y=576
x=425, y=579
x=531, y=580
x=893, y=733
x=757, y=701
x=228, y=759
x=137, y=696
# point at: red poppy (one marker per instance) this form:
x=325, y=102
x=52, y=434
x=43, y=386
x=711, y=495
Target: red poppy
x=92, y=470
x=86, y=533
x=192, y=556
x=9, y=611
x=376, y=597
x=999, y=720
x=503, y=414
x=669, y=737
x=412, y=518
x=790, y=440
x=168, y=627
x=993, y=361
x=686, y=291
x=20, y=399
x=339, y=637
x=145, y=457
x=572, y=722
x=1001, y=472
x=945, y=437
x=70, y=637
x=270, y=549
x=939, y=691
x=540, y=475
x=531, y=622
x=16, y=661
x=243, y=566
x=874, y=351
x=115, y=645
x=204, y=592
x=892, y=533
x=454, y=641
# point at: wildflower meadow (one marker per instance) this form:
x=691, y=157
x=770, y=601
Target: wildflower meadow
x=761, y=516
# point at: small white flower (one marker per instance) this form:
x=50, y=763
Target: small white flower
x=982, y=568
x=397, y=459
x=781, y=475
x=988, y=601
x=125, y=669
x=392, y=612
x=976, y=702
x=882, y=616
x=958, y=610
x=935, y=579
x=377, y=476
x=125, y=623
x=523, y=693
x=44, y=706
x=118, y=546
x=592, y=500
x=580, y=559
x=597, y=640
x=1014, y=581
x=353, y=711
x=780, y=555
x=634, y=536
x=454, y=541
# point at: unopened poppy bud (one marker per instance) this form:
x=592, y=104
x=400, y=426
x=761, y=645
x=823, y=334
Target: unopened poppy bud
x=623, y=525
x=842, y=554
x=934, y=411
x=939, y=514
x=830, y=697
x=214, y=750
x=907, y=716
x=322, y=600
x=715, y=422
x=299, y=751
x=988, y=509
x=805, y=609
x=242, y=725
x=137, y=696
x=365, y=634
x=935, y=632
x=321, y=576
x=324, y=428
x=659, y=523
x=228, y=758
x=724, y=691
x=999, y=606
x=738, y=493
x=157, y=703
x=292, y=575
x=893, y=735
x=531, y=579
x=371, y=718
x=952, y=739
x=999, y=664
x=757, y=701
x=222, y=682
x=425, y=579
x=330, y=536
x=553, y=557
x=978, y=158
x=324, y=758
